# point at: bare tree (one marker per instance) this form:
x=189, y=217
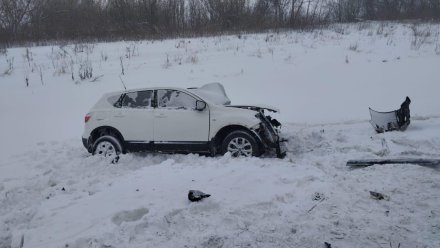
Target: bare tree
x=13, y=14
x=40, y=20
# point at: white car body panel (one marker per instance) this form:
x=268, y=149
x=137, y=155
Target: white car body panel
x=176, y=125
x=135, y=124
x=222, y=116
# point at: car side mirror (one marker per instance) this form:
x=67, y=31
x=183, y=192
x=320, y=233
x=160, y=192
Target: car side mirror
x=200, y=105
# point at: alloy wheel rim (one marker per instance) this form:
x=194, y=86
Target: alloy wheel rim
x=240, y=147
x=106, y=149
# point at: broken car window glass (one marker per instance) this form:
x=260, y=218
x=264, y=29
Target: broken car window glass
x=174, y=99
x=140, y=99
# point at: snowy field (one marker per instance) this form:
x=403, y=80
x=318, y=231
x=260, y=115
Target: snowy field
x=54, y=194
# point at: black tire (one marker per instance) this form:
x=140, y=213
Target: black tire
x=108, y=146
x=233, y=137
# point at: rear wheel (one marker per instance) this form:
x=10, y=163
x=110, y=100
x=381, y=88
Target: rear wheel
x=108, y=147
x=240, y=144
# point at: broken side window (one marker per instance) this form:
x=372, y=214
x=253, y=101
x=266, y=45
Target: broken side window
x=174, y=99
x=139, y=99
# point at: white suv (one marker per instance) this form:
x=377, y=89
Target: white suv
x=178, y=120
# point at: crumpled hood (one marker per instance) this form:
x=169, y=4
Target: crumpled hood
x=257, y=107
x=213, y=92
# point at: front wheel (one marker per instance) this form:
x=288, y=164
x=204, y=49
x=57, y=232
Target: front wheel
x=108, y=147
x=240, y=144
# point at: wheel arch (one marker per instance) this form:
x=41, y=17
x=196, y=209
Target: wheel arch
x=105, y=130
x=224, y=131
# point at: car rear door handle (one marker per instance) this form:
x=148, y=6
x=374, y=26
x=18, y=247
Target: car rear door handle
x=161, y=116
x=119, y=116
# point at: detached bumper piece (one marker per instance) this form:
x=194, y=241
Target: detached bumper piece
x=393, y=120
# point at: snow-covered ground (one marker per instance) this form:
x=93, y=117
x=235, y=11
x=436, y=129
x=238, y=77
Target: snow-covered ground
x=54, y=194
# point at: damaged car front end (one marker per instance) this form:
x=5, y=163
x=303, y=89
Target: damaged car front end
x=268, y=131
x=269, y=134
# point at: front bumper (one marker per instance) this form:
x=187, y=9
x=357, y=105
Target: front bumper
x=269, y=134
x=281, y=149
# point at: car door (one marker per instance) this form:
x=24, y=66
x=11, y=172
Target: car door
x=135, y=117
x=177, y=121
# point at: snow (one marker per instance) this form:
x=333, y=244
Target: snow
x=54, y=194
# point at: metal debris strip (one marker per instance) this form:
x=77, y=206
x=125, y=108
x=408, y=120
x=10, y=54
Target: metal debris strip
x=431, y=163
